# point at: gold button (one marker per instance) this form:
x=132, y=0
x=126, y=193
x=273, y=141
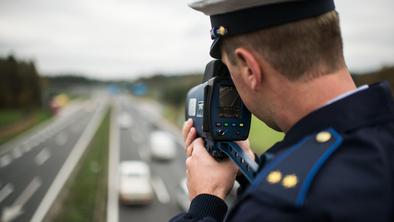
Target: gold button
x=323, y=137
x=274, y=177
x=290, y=181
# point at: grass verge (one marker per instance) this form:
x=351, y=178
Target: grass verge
x=262, y=137
x=85, y=194
x=15, y=122
x=176, y=115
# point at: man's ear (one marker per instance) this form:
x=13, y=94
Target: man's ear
x=249, y=67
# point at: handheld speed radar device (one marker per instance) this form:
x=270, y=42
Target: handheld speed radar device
x=217, y=110
x=220, y=117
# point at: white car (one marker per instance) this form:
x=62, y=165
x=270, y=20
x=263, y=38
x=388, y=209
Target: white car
x=135, y=183
x=125, y=121
x=162, y=145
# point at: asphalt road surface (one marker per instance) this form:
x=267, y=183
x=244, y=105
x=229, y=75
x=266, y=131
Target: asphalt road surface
x=166, y=176
x=30, y=163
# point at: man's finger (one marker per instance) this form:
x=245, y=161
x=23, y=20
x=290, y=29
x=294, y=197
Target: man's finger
x=189, y=150
x=190, y=137
x=199, y=147
x=186, y=127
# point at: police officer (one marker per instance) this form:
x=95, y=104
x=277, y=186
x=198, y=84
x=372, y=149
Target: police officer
x=336, y=161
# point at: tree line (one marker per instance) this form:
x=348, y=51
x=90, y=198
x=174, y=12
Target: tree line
x=172, y=89
x=20, y=86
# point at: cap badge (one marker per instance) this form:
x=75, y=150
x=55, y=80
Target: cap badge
x=217, y=32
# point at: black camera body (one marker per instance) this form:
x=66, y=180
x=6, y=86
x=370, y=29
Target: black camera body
x=217, y=111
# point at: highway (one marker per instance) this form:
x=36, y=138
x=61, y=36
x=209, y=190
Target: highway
x=35, y=165
x=166, y=176
x=32, y=164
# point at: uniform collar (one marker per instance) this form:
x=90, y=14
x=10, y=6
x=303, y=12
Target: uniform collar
x=346, y=94
x=366, y=107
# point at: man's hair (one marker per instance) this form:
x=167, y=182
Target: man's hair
x=299, y=50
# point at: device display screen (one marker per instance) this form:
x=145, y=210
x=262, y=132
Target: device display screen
x=229, y=102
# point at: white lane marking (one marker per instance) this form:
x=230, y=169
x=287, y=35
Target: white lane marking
x=50, y=133
x=61, y=139
x=41, y=137
x=16, y=153
x=10, y=213
x=5, y=191
x=42, y=156
x=25, y=143
x=26, y=148
x=47, y=136
x=5, y=160
x=160, y=190
x=16, y=209
x=28, y=192
x=35, y=143
x=70, y=163
x=76, y=127
x=113, y=181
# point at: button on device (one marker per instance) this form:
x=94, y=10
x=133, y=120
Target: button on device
x=241, y=125
x=218, y=124
x=238, y=133
x=233, y=124
x=220, y=132
x=225, y=124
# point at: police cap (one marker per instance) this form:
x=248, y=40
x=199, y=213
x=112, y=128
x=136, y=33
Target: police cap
x=233, y=17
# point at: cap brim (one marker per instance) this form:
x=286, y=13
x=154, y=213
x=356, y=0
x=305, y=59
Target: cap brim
x=215, y=51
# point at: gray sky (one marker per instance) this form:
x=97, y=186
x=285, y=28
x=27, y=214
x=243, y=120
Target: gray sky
x=127, y=38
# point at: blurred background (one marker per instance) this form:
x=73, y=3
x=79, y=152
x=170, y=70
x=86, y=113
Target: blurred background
x=90, y=89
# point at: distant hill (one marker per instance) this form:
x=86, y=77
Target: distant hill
x=67, y=80
x=170, y=89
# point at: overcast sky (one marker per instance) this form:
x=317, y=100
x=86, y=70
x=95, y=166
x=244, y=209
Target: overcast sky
x=127, y=38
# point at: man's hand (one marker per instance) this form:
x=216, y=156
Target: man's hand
x=204, y=173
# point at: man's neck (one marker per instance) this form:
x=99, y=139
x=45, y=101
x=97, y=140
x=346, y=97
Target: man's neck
x=301, y=98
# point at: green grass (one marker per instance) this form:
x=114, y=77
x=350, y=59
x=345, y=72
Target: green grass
x=15, y=122
x=174, y=114
x=8, y=117
x=86, y=192
x=262, y=137
x=43, y=115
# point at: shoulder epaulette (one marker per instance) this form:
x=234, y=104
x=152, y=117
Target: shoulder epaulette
x=290, y=174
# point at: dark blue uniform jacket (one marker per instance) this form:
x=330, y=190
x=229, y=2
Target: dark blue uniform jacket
x=335, y=164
